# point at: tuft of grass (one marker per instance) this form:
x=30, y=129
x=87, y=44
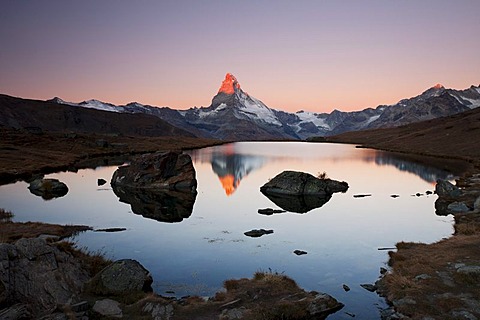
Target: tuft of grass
x=322, y=175
x=93, y=261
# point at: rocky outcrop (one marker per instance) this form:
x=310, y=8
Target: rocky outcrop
x=161, y=171
x=294, y=183
x=48, y=188
x=160, y=186
x=39, y=276
x=301, y=192
x=121, y=278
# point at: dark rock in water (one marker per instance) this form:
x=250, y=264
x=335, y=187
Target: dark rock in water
x=161, y=171
x=428, y=192
x=122, y=277
x=361, y=195
x=255, y=233
x=101, y=182
x=300, y=252
x=160, y=186
x=298, y=204
x=163, y=206
x=394, y=196
x=301, y=192
x=369, y=287
x=418, y=194
x=346, y=288
x=48, y=188
x=269, y=211
x=110, y=230
x=445, y=189
x=300, y=183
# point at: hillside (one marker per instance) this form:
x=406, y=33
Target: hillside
x=38, y=116
x=456, y=136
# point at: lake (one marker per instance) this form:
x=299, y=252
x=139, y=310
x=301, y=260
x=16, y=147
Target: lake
x=194, y=254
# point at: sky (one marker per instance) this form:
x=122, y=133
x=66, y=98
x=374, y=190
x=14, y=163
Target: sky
x=293, y=55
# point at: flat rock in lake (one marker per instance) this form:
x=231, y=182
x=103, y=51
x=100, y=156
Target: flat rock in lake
x=270, y=211
x=300, y=252
x=255, y=233
x=361, y=195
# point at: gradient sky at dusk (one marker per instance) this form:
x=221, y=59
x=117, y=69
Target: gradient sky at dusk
x=292, y=55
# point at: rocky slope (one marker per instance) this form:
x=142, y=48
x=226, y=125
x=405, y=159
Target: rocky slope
x=236, y=115
x=37, y=116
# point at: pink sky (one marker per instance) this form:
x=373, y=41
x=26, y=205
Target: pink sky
x=292, y=55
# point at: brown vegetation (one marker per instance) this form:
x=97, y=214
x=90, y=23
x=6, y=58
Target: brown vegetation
x=23, y=154
x=425, y=281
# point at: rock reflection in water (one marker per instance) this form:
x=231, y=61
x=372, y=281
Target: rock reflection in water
x=298, y=204
x=164, y=206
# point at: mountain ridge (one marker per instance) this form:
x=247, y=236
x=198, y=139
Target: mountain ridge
x=235, y=115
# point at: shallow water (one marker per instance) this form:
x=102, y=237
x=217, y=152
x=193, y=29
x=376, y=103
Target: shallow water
x=195, y=255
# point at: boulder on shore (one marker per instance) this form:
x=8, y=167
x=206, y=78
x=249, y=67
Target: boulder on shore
x=121, y=278
x=160, y=170
x=48, y=188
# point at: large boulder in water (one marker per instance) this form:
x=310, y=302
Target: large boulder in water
x=48, y=188
x=301, y=192
x=296, y=183
x=161, y=170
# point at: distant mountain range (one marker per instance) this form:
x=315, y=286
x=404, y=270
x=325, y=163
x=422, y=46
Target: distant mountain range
x=235, y=115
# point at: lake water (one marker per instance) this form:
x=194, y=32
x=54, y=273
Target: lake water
x=195, y=255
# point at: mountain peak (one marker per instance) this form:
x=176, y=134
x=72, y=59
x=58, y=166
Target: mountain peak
x=438, y=86
x=229, y=84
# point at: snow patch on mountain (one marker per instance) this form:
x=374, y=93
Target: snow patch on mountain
x=256, y=110
x=99, y=105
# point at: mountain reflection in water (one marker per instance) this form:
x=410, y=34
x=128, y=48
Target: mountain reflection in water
x=231, y=166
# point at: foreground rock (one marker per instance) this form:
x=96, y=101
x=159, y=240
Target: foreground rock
x=121, y=278
x=161, y=171
x=39, y=276
x=48, y=188
x=301, y=192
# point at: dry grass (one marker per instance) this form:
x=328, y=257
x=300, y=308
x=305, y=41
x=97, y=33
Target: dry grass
x=92, y=261
x=23, y=154
x=443, y=287
x=11, y=231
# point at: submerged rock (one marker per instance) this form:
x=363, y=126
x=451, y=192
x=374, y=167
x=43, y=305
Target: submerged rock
x=255, y=233
x=269, y=211
x=48, y=188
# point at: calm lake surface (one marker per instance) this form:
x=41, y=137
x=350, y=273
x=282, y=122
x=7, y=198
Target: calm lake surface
x=196, y=254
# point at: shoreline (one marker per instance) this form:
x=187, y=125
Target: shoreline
x=401, y=286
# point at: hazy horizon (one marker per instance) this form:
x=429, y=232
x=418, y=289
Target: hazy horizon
x=305, y=55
